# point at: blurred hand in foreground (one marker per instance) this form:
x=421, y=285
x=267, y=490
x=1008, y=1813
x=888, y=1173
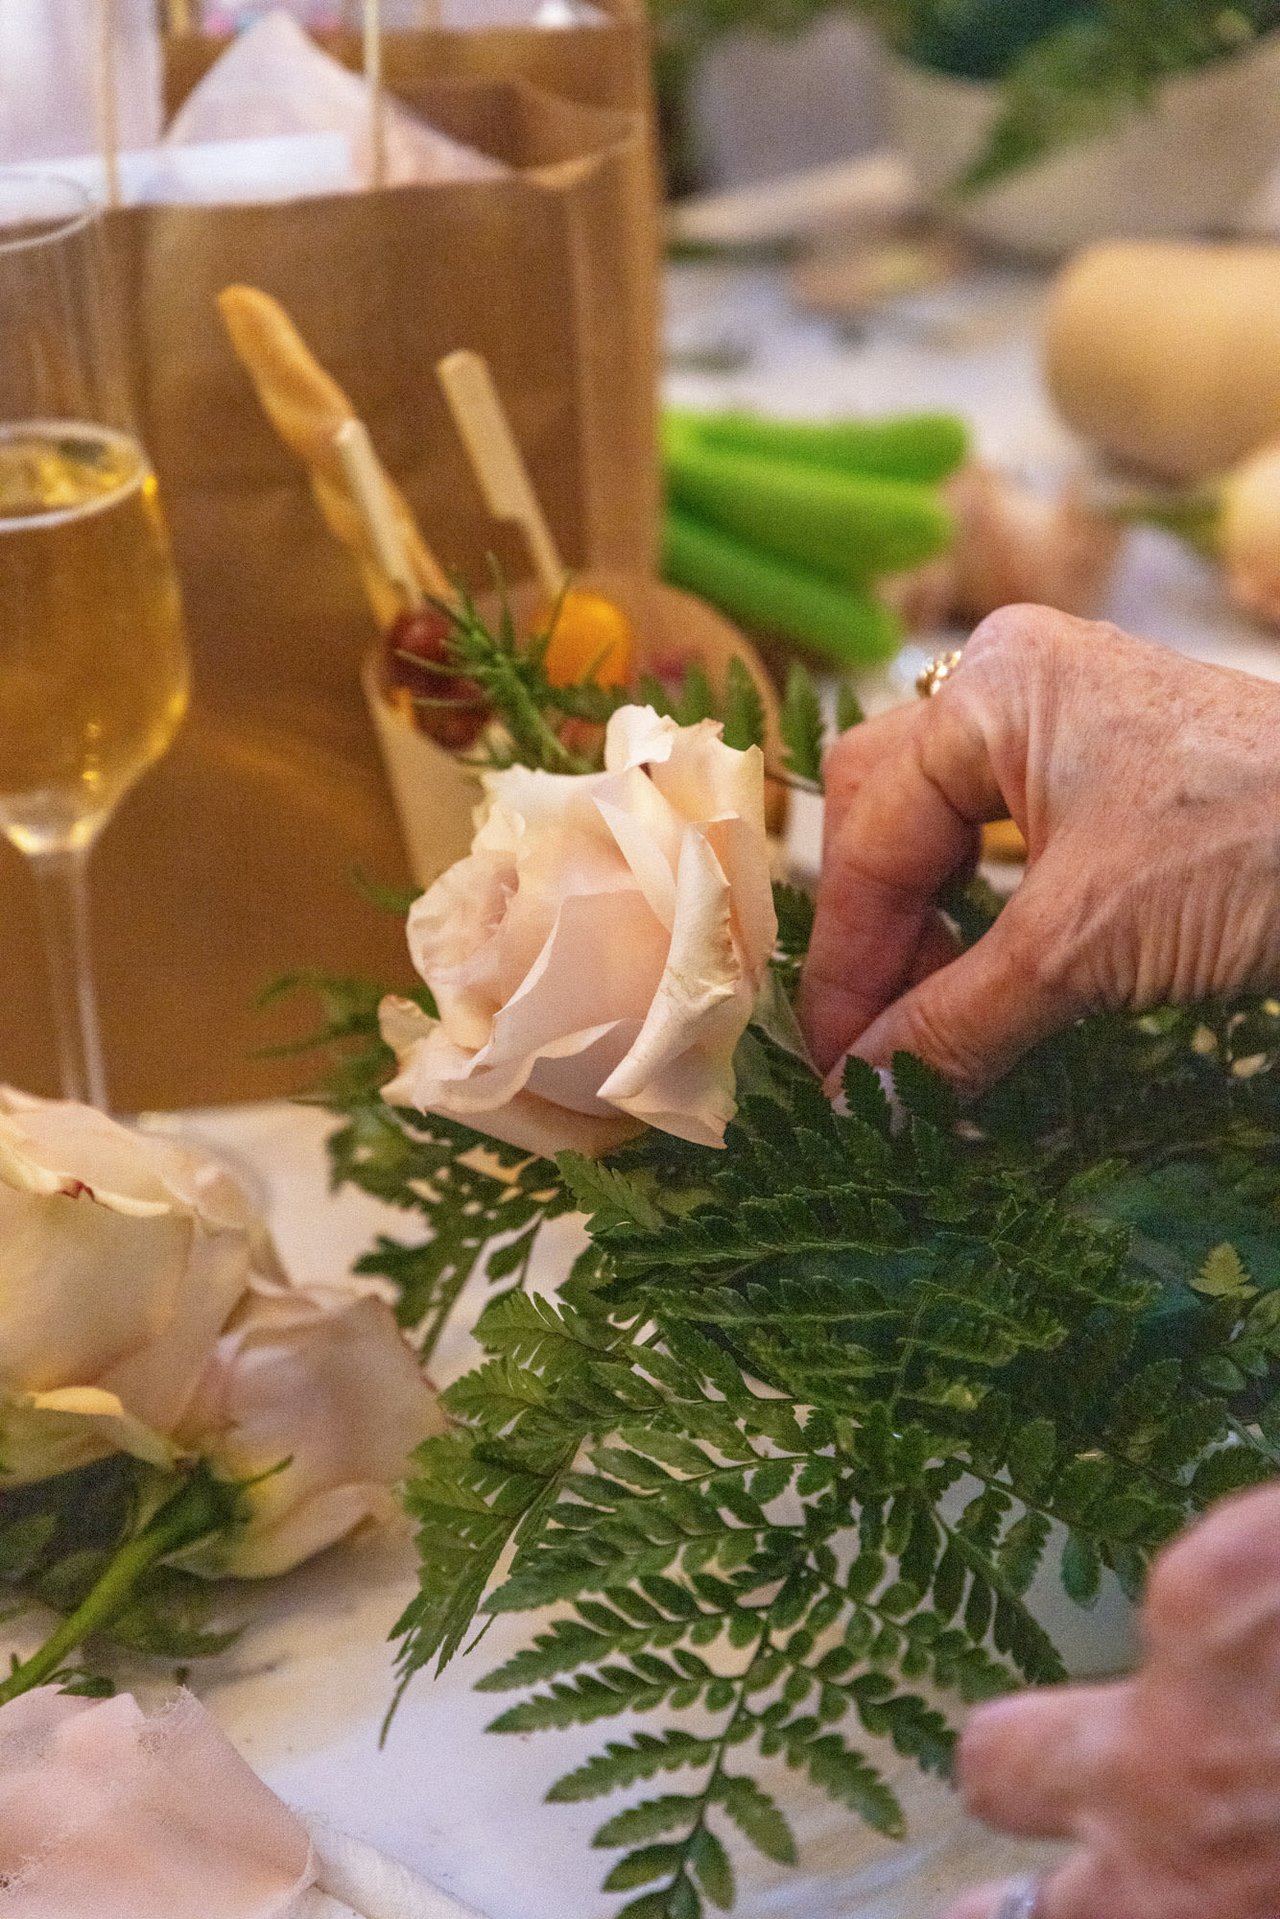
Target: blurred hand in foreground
x=1147, y=787
x=1169, y=1782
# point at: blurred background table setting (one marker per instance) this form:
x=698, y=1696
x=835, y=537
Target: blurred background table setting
x=730, y=355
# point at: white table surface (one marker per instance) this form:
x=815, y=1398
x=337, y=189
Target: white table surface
x=304, y=1691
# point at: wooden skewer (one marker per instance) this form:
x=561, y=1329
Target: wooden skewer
x=497, y=462
x=373, y=81
x=368, y=485
x=109, y=96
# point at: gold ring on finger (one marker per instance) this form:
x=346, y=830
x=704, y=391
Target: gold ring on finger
x=932, y=675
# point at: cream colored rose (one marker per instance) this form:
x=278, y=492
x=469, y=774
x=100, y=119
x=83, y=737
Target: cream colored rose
x=596, y=957
x=1249, y=534
x=317, y=1389
x=123, y=1257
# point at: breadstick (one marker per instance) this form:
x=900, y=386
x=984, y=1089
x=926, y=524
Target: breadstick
x=307, y=408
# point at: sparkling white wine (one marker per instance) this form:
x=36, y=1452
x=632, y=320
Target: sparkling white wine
x=93, y=664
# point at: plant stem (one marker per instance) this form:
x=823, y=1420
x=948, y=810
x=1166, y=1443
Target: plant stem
x=62, y=892
x=709, y=1791
x=201, y=1506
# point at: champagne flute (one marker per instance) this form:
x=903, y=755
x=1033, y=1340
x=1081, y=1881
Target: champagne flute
x=93, y=663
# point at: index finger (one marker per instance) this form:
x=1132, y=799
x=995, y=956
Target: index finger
x=908, y=829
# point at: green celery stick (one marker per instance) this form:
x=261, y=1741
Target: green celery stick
x=774, y=596
x=924, y=447
x=849, y=528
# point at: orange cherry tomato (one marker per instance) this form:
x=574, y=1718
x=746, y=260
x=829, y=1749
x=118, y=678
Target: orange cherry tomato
x=592, y=639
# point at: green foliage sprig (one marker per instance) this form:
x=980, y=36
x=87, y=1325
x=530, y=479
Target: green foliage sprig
x=535, y=715
x=790, y=1447
x=1068, y=69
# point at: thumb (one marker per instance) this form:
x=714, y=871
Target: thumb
x=973, y=1019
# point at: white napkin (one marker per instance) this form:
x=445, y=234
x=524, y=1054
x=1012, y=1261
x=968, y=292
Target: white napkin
x=221, y=172
x=49, y=80
x=274, y=80
x=355, y=1882
x=107, y=1812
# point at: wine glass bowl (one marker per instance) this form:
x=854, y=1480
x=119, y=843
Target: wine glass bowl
x=93, y=660
x=93, y=670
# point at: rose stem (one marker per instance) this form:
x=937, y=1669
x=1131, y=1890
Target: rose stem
x=201, y=1506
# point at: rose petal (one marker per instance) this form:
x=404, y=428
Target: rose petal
x=46, y=1433
x=637, y=736
x=679, y=1073
x=561, y=1009
x=55, y=1145
x=131, y=1304
x=648, y=832
x=328, y=1384
x=736, y=845
x=602, y=964
x=454, y=937
x=706, y=780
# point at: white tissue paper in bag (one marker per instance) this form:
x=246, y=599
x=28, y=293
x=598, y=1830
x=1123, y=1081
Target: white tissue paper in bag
x=475, y=16
x=50, y=92
x=273, y=80
x=225, y=173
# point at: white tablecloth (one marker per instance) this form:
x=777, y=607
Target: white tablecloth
x=304, y=1691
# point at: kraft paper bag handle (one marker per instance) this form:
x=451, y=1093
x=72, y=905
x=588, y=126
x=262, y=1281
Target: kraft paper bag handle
x=373, y=81
x=108, y=31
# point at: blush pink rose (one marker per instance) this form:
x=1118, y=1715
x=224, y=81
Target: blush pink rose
x=315, y=1397
x=124, y=1256
x=596, y=957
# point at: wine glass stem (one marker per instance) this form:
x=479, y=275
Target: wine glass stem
x=62, y=888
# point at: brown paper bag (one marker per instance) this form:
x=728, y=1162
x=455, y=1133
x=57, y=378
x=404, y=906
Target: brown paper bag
x=232, y=861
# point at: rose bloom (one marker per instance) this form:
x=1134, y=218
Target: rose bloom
x=124, y=1256
x=315, y=1395
x=596, y=957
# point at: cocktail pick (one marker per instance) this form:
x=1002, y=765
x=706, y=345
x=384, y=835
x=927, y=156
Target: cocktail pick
x=497, y=462
x=369, y=490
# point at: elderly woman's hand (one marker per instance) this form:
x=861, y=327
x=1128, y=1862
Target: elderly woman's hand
x=1170, y=1782
x=1148, y=789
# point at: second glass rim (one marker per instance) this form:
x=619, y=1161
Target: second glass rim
x=83, y=211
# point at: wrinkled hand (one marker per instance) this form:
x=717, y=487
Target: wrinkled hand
x=1170, y=1782
x=1147, y=787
